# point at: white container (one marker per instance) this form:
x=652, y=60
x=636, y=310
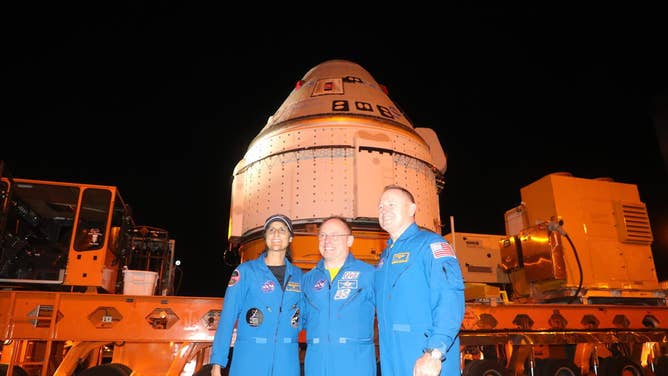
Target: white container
x=139, y=282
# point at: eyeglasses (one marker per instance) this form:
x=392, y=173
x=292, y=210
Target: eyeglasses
x=331, y=236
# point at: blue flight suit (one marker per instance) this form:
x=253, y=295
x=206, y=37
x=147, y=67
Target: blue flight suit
x=419, y=302
x=267, y=318
x=339, y=320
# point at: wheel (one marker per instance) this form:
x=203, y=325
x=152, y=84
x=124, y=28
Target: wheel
x=206, y=371
x=557, y=367
x=484, y=367
x=619, y=367
x=121, y=367
x=661, y=365
x=18, y=371
x=111, y=369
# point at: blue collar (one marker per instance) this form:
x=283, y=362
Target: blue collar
x=409, y=232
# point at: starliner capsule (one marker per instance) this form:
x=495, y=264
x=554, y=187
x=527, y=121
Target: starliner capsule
x=330, y=149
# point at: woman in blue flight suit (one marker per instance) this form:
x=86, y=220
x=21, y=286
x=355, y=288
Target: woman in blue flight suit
x=262, y=298
x=338, y=309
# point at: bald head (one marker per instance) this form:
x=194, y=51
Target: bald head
x=334, y=241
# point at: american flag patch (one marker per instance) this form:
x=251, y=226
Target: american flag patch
x=442, y=249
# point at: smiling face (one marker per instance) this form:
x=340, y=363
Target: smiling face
x=396, y=212
x=334, y=241
x=277, y=236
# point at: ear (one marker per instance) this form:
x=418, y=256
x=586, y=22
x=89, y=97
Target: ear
x=411, y=209
x=290, y=239
x=351, y=240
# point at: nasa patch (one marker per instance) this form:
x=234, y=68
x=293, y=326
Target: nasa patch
x=319, y=284
x=254, y=317
x=236, y=276
x=268, y=286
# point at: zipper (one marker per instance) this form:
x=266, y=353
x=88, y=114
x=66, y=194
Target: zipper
x=310, y=302
x=329, y=305
x=351, y=298
x=278, y=322
x=399, y=276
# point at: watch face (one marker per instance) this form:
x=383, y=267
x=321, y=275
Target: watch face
x=434, y=353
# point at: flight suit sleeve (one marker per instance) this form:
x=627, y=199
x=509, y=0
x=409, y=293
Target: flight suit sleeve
x=232, y=305
x=447, y=294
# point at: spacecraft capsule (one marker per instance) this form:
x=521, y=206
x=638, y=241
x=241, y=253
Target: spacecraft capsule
x=330, y=149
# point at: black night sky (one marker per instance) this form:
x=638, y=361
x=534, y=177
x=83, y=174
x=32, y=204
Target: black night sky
x=163, y=99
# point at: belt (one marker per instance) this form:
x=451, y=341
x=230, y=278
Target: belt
x=265, y=340
x=341, y=340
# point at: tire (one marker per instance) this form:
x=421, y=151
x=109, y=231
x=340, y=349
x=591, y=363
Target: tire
x=121, y=367
x=661, y=365
x=18, y=371
x=557, y=367
x=206, y=371
x=484, y=367
x=111, y=369
x=619, y=367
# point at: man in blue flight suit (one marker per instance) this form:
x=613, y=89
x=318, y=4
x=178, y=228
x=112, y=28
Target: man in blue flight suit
x=338, y=309
x=262, y=298
x=419, y=294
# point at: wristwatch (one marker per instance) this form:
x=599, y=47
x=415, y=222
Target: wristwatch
x=435, y=354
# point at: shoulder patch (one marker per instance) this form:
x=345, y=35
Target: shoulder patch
x=236, y=276
x=442, y=249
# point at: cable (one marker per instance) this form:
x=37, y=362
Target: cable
x=558, y=227
x=180, y=278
